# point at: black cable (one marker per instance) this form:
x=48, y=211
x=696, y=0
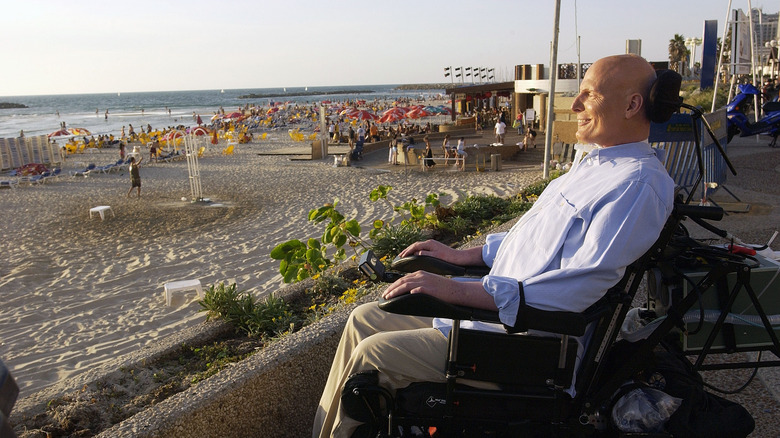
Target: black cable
x=741, y=388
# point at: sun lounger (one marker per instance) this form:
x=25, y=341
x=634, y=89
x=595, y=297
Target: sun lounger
x=84, y=172
x=35, y=179
x=54, y=174
x=109, y=167
x=12, y=183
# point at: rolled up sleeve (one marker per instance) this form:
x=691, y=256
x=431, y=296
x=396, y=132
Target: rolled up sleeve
x=506, y=294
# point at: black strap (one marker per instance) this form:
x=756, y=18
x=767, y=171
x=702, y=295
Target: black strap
x=729, y=339
x=521, y=323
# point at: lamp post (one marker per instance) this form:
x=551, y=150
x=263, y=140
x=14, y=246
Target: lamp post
x=772, y=57
x=692, y=42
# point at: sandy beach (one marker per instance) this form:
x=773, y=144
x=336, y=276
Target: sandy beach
x=78, y=292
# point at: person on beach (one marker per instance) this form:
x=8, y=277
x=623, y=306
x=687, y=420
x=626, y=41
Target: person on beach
x=135, y=175
x=351, y=137
x=589, y=224
x=361, y=134
x=153, y=149
x=392, y=156
x=428, y=160
x=526, y=140
x=460, y=153
x=121, y=150
x=374, y=131
x=447, y=148
x=500, y=131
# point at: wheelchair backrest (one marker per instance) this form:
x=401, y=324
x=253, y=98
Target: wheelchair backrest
x=619, y=298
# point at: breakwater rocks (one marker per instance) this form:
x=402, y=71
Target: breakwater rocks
x=303, y=93
x=9, y=105
x=423, y=86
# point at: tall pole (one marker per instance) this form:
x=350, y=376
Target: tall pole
x=753, y=57
x=720, y=58
x=551, y=98
x=579, y=60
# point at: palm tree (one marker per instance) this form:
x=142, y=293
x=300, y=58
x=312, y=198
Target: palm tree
x=678, y=53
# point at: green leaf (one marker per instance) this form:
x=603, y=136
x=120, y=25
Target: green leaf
x=340, y=240
x=313, y=256
x=353, y=227
x=283, y=249
x=320, y=214
x=379, y=224
x=291, y=274
x=313, y=243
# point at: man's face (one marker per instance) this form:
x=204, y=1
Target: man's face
x=599, y=106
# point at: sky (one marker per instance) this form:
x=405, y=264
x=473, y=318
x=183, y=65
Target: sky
x=108, y=46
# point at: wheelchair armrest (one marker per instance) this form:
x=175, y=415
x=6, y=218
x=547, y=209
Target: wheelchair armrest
x=437, y=266
x=427, y=305
x=565, y=323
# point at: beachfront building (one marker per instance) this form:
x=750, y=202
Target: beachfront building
x=526, y=95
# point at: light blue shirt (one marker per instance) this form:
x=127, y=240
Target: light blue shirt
x=582, y=232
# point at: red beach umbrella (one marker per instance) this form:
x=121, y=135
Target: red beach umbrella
x=172, y=135
x=390, y=117
x=59, y=133
x=363, y=115
x=417, y=113
x=200, y=130
x=234, y=115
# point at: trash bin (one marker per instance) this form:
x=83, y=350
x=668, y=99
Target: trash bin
x=495, y=162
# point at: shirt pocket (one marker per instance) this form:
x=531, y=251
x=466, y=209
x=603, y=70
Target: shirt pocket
x=542, y=238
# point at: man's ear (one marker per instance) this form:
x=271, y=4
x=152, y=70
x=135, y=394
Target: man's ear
x=634, y=105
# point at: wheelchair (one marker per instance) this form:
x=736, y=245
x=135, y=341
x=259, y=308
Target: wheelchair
x=525, y=390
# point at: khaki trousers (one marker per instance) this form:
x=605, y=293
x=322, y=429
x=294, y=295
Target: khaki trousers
x=405, y=349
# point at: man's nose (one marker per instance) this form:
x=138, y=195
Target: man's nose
x=576, y=105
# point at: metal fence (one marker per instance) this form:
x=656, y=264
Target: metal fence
x=676, y=138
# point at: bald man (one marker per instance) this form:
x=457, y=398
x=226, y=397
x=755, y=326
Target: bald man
x=563, y=254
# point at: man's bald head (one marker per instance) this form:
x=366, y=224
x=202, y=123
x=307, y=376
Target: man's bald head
x=611, y=104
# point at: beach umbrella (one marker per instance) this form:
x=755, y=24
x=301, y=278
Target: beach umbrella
x=79, y=131
x=200, y=130
x=272, y=110
x=349, y=112
x=363, y=115
x=390, y=117
x=417, y=113
x=59, y=133
x=172, y=135
x=234, y=115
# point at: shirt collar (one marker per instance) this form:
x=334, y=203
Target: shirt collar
x=625, y=150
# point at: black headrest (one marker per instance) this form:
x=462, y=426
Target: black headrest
x=664, y=97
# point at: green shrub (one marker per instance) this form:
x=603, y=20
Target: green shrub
x=390, y=240
x=269, y=317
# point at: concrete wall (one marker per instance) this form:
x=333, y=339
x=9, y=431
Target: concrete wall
x=274, y=393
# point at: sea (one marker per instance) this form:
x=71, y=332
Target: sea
x=45, y=113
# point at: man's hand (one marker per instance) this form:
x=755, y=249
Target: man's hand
x=464, y=293
x=422, y=282
x=433, y=248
